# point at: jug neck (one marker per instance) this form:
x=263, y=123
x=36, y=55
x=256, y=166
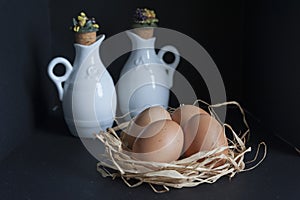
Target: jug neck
x=140, y=43
x=82, y=51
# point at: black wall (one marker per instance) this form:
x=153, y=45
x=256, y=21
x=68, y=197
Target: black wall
x=25, y=46
x=272, y=65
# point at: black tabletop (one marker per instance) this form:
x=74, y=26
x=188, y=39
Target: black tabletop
x=52, y=165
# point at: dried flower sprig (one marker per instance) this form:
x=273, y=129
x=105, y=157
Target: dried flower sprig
x=83, y=24
x=144, y=17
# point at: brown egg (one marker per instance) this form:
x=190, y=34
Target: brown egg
x=140, y=122
x=161, y=141
x=203, y=133
x=183, y=113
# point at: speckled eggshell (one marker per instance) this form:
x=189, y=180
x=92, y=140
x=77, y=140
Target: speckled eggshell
x=161, y=141
x=185, y=112
x=140, y=122
x=203, y=133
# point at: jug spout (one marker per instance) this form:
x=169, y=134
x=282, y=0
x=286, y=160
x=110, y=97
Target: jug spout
x=139, y=42
x=82, y=51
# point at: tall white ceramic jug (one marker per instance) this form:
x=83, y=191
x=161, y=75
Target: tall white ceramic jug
x=88, y=95
x=145, y=79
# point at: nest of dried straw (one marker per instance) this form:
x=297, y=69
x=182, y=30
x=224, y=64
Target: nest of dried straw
x=187, y=172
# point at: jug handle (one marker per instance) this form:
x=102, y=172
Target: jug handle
x=58, y=80
x=173, y=65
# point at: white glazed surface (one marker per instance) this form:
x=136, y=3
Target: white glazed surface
x=145, y=79
x=88, y=97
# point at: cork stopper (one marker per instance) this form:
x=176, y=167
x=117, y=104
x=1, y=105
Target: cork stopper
x=85, y=38
x=145, y=33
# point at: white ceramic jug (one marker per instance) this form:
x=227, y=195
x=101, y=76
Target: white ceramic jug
x=88, y=95
x=145, y=79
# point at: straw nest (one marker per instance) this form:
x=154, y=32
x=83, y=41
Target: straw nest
x=187, y=172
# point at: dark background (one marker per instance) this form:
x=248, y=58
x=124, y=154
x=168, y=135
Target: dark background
x=271, y=87
x=255, y=45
